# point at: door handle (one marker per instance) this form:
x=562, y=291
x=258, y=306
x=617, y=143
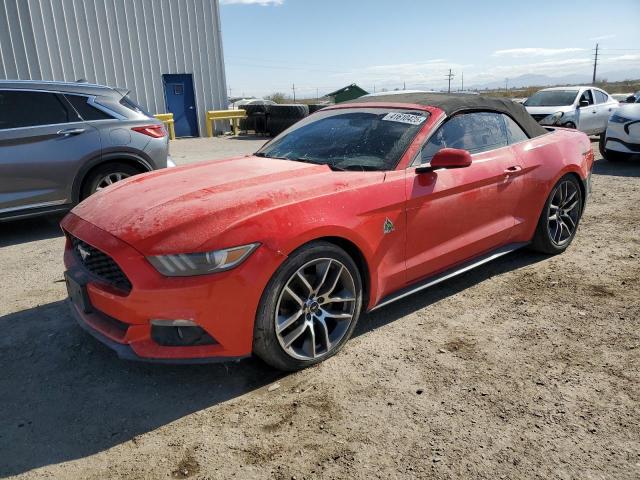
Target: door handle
x=512, y=169
x=70, y=131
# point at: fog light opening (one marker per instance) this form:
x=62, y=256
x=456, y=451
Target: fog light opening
x=179, y=333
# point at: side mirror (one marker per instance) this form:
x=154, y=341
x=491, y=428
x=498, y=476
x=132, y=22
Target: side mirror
x=447, y=158
x=584, y=103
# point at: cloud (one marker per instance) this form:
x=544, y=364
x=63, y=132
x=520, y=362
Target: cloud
x=604, y=37
x=263, y=3
x=535, y=52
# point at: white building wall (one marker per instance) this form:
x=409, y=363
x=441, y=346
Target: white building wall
x=123, y=43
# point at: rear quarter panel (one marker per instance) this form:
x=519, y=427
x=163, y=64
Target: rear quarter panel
x=545, y=159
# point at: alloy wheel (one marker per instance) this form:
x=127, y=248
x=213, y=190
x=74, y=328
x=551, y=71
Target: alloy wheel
x=110, y=179
x=315, y=309
x=563, y=213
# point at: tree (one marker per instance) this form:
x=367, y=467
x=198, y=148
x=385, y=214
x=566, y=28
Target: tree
x=277, y=97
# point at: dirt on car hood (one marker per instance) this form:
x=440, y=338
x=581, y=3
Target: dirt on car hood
x=184, y=209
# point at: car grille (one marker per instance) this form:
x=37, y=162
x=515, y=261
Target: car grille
x=539, y=116
x=100, y=264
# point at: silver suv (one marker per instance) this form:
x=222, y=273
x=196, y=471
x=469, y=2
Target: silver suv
x=60, y=142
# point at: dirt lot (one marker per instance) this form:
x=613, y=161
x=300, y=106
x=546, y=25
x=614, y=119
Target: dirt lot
x=526, y=368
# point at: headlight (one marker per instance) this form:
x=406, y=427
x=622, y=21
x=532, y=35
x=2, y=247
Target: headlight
x=187, y=264
x=616, y=118
x=552, y=119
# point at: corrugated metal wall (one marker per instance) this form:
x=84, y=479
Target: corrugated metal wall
x=124, y=43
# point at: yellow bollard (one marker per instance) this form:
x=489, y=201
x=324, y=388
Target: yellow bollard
x=167, y=119
x=233, y=115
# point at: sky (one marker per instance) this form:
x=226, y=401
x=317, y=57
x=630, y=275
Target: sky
x=322, y=45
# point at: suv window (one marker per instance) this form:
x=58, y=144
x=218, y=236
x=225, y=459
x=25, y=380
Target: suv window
x=20, y=108
x=476, y=132
x=515, y=134
x=131, y=105
x=86, y=111
x=601, y=97
x=586, y=95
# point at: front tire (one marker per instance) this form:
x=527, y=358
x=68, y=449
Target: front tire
x=613, y=156
x=309, y=308
x=559, y=218
x=601, y=144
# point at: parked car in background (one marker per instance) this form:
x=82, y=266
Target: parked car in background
x=622, y=138
x=624, y=97
x=352, y=208
x=584, y=108
x=61, y=142
x=250, y=101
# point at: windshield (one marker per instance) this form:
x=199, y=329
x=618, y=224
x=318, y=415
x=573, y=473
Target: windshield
x=552, y=98
x=349, y=139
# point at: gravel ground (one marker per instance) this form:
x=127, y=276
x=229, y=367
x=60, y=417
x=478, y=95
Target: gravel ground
x=525, y=368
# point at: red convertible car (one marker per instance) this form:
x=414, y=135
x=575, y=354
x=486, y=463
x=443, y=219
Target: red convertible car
x=352, y=208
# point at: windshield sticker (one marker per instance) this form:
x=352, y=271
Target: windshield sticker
x=404, y=118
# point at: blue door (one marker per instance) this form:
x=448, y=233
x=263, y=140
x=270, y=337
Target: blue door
x=178, y=94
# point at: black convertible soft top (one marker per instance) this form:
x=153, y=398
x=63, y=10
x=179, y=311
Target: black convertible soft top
x=456, y=103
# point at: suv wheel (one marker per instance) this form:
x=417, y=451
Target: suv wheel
x=105, y=175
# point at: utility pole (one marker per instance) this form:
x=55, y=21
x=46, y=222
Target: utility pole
x=462, y=88
x=404, y=85
x=293, y=87
x=317, y=97
x=450, y=76
x=506, y=85
x=374, y=88
x=595, y=65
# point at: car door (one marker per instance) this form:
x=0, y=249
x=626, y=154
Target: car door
x=454, y=215
x=604, y=109
x=587, y=114
x=43, y=142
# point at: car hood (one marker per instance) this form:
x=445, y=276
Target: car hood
x=186, y=209
x=550, y=110
x=630, y=111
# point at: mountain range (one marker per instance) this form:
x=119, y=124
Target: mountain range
x=535, y=80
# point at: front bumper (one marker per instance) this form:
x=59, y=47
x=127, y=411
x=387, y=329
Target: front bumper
x=223, y=304
x=622, y=146
x=623, y=137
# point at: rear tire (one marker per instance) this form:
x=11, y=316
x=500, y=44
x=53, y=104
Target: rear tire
x=105, y=175
x=560, y=217
x=309, y=308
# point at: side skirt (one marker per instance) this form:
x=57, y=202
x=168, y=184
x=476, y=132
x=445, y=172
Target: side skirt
x=447, y=274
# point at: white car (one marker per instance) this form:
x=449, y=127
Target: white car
x=584, y=108
x=622, y=138
x=250, y=101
